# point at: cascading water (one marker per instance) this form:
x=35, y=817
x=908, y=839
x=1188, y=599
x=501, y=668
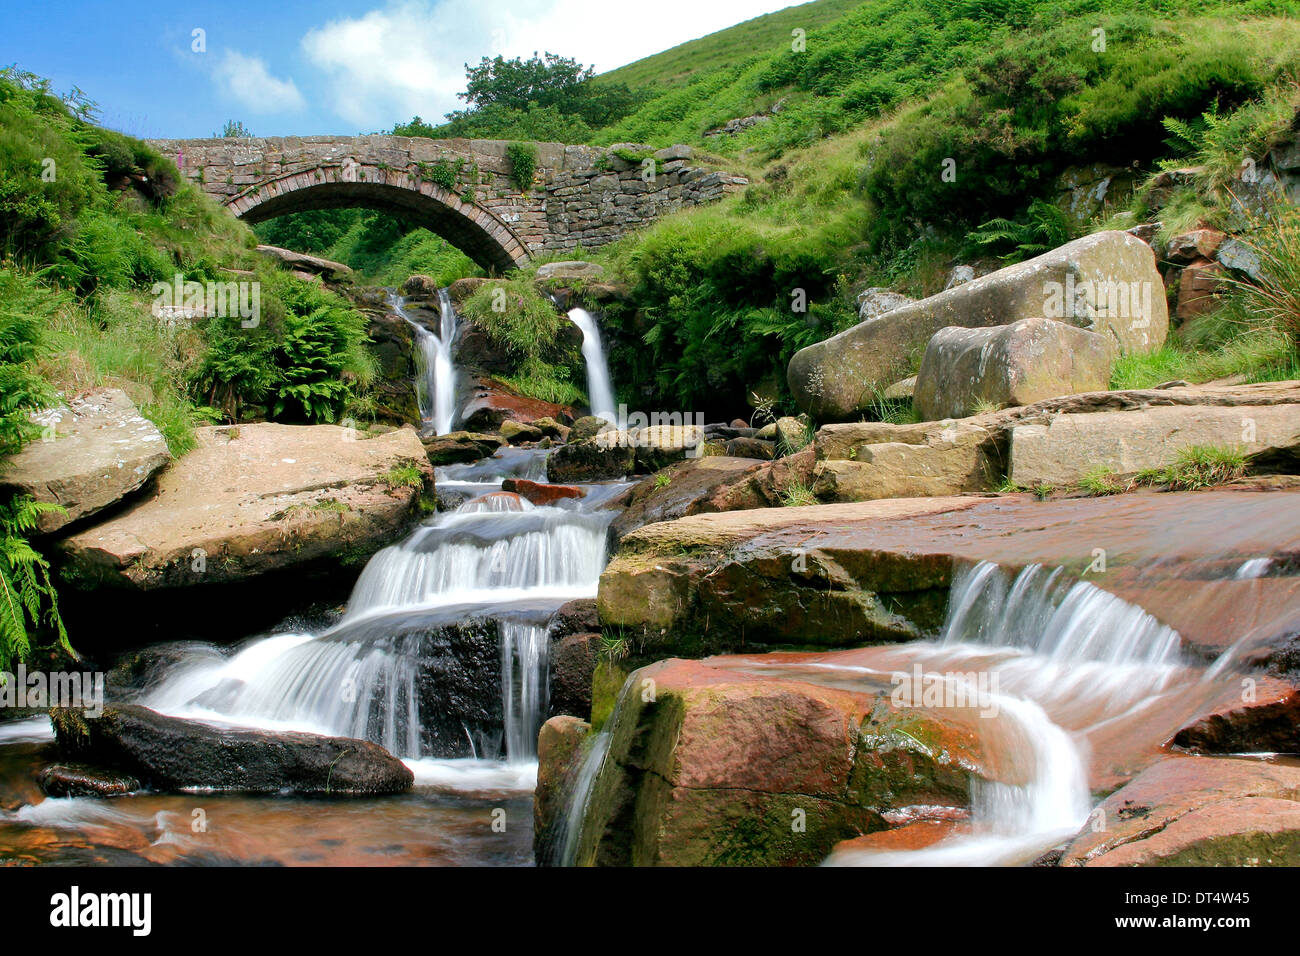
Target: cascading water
x=442, y=651
x=599, y=390
x=435, y=375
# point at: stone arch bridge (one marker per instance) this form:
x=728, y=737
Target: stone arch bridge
x=461, y=189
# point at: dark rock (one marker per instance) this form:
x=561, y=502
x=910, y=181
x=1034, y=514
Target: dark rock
x=751, y=448
x=587, y=461
x=573, y=661
x=82, y=780
x=167, y=753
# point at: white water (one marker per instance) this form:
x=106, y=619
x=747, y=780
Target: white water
x=599, y=390
x=1045, y=645
x=435, y=375
x=496, y=558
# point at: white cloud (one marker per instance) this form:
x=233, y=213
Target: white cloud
x=247, y=81
x=408, y=57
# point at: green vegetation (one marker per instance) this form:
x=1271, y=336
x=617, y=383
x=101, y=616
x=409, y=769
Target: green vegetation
x=798, y=494
x=523, y=164
x=1196, y=467
x=405, y=475
x=539, y=341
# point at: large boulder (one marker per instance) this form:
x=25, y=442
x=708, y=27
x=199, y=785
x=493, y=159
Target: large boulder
x=1106, y=283
x=257, y=498
x=493, y=402
x=96, y=451
x=171, y=754
x=460, y=447
x=1016, y=364
x=685, y=488
x=587, y=461
x=559, y=756
x=1060, y=451
x=710, y=764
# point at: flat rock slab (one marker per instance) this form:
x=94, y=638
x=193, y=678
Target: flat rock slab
x=102, y=450
x=252, y=499
x=1197, y=811
x=171, y=754
x=854, y=573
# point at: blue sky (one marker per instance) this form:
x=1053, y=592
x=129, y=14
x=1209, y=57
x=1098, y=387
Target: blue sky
x=325, y=67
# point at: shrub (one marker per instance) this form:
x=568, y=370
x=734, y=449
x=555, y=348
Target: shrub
x=523, y=164
x=29, y=603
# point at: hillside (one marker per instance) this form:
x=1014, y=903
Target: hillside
x=727, y=48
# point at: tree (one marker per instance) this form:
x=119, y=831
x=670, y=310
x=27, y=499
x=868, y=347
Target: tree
x=236, y=129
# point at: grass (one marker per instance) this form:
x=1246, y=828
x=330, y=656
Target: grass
x=663, y=480
x=1195, y=467
x=798, y=494
x=405, y=475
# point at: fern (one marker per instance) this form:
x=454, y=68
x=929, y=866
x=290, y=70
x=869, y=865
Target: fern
x=29, y=603
x=1046, y=227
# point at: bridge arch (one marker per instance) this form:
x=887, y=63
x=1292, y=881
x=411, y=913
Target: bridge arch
x=468, y=226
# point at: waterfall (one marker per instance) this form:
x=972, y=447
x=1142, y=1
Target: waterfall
x=599, y=390
x=442, y=651
x=435, y=375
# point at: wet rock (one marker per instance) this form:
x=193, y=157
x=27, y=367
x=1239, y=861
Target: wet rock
x=685, y=488
x=83, y=780
x=460, y=447
x=1017, y=364
x=255, y=498
x=573, y=662
x=1190, y=811
x=713, y=766
x=170, y=754
x=392, y=342
x=586, y=461
x=575, y=617
x=1265, y=720
x=96, y=451
x=539, y=493
x=1106, y=282
x=1126, y=442
x=493, y=403
x=559, y=756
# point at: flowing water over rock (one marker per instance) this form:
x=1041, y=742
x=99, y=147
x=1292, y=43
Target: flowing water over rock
x=435, y=376
x=599, y=390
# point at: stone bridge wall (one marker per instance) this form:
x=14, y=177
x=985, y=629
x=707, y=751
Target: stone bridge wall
x=581, y=195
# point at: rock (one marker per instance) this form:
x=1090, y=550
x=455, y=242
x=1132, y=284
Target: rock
x=541, y=494
x=570, y=270
x=493, y=403
x=586, y=461
x=588, y=426
x=574, y=617
x=462, y=289
x=875, y=302
x=959, y=275
x=904, y=389
x=1017, y=364
x=1148, y=232
x=559, y=755
x=392, y=341
x=1269, y=722
x=879, y=571
x=573, y=661
x=1190, y=811
x=1106, y=282
x=751, y=448
x=252, y=499
x=1126, y=442
x=551, y=428
x=102, y=451
x=170, y=754
x=517, y=433
x=693, y=486
x=739, y=423
x=1197, y=288
x=1197, y=244
x=1237, y=255
x=677, y=151
x=420, y=286
x=655, y=446
x=1087, y=192
x=711, y=768
x=302, y=262
x=873, y=460
x=83, y=780
x=460, y=447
